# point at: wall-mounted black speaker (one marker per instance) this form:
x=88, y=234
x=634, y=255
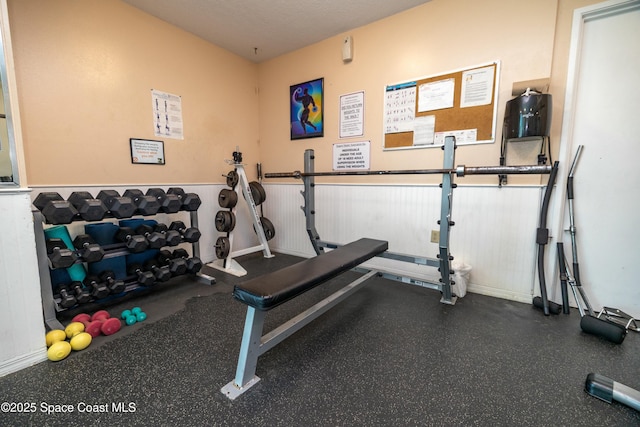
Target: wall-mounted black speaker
x=527, y=115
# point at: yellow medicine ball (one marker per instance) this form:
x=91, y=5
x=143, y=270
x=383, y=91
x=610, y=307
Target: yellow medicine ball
x=54, y=336
x=80, y=341
x=58, y=351
x=74, y=328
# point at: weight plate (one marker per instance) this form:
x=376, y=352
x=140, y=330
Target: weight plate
x=227, y=198
x=232, y=179
x=223, y=246
x=267, y=226
x=225, y=221
x=257, y=192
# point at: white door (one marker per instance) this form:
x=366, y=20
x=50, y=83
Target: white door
x=603, y=93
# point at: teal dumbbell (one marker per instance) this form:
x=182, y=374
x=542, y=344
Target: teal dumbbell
x=140, y=315
x=134, y=315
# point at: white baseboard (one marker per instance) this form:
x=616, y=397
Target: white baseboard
x=24, y=361
x=499, y=293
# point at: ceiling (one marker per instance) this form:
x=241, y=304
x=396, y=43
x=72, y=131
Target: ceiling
x=259, y=30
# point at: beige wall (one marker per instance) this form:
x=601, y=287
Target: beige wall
x=437, y=37
x=85, y=70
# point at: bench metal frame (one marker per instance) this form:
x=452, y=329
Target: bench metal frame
x=254, y=344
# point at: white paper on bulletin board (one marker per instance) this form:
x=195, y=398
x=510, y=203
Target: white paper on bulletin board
x=352, y=156
x=477, y=87
x=167, y=115
x=400, y=107
x=436, y=95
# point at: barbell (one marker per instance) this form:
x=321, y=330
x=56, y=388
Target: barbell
x=459, y=171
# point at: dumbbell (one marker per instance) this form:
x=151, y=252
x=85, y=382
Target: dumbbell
x=145, y=205
x=99, y=290
x=169, y=203
x=89, y=208
x=66, y=299
x=194, y=264
x=190, y=201
x=172, y=237
x=87, y=248
x=134, y=242
x=115, y=286
x=119, y=206
x=82, y=295
x=155, y=239
x=100, y=322
x=177, y=267
x=161, y=272
x=58, y=253
x=190, y=234
x=54, y=208
x=144, y=278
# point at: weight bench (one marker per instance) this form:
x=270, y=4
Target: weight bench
x=272, y=289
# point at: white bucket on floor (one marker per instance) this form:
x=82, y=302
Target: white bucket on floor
x=462, y=277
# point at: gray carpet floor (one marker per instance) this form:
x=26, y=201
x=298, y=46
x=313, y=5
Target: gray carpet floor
x=391, y=354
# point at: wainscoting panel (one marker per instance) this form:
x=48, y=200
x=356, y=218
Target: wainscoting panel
x=494, y=232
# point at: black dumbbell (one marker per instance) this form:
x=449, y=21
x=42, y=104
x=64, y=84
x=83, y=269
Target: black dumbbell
x=89, y=208
x=161, y=272
x=194, y=264
x=58, y=253
x=190, y=234
x=66, y=299
x=115, y=286
x=144, y=278
x=54, y=208
x=119, y=206
x=169, y=203
x=81, y=293
x=172, y=237
x=155, y=239
x=190, y=201
x=134, y=242
x=177, y=267
x=87, y=248
x=145, y=205
x=99, y=290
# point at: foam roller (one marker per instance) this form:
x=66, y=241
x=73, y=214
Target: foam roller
x=602, y=328
x=76, y=271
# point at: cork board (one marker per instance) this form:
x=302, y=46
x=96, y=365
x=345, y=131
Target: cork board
x=420, y=112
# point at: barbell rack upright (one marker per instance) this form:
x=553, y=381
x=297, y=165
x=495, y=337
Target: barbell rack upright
x=446, y=222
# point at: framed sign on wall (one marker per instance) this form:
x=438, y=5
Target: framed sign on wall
x=307, y=112
x=147, y=151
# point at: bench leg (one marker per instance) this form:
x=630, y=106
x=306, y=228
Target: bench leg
x=249, y=353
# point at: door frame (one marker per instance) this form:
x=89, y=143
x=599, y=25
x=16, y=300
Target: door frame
x=567, y=147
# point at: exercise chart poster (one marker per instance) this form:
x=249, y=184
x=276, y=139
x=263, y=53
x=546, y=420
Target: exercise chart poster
x=306, y=117
x=167, y=115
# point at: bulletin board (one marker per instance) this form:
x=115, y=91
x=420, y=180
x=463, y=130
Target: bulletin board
x=421, y=112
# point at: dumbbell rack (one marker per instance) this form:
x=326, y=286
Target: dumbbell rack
x=50, y=305
x=228, y=264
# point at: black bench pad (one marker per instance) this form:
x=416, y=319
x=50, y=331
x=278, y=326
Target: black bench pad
x=272, y=289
